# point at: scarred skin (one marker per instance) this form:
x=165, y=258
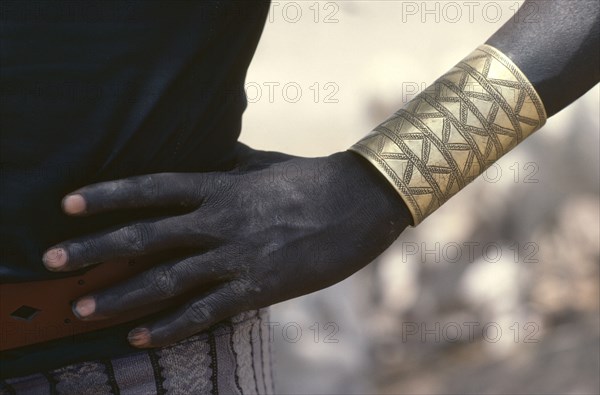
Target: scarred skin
x=279, y=226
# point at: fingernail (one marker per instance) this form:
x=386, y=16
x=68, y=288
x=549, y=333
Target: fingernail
x=139, y=337
x=55, y=258
x=84, y=307
x=74, y=204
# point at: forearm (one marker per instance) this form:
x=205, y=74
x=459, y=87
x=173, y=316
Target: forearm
x=486, y=105
x=556, y=45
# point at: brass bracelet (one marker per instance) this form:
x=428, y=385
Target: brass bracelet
x=455, y=129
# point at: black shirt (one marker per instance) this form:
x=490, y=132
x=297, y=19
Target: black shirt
x=95, y=91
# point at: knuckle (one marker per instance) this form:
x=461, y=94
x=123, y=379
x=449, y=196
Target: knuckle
x=199, y=313
x=163, y=282
x=245, y=292
x=148, y=186
x=216, y=186
x=240, y=287
x=136, y=237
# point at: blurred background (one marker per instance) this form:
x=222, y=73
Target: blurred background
x=498, y=291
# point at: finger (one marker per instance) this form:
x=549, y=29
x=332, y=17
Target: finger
x=153, y=190
x=133, y=240
x=197, y=315
x=156, y=285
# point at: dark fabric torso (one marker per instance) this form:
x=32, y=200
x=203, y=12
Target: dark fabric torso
x=95, y=91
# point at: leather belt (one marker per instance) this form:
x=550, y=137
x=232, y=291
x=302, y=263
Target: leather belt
x=38, y=311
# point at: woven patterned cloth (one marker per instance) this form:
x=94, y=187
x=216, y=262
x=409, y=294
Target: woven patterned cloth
x=234, y=357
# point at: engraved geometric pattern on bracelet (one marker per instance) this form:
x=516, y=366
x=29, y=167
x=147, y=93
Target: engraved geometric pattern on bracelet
x=450, y=133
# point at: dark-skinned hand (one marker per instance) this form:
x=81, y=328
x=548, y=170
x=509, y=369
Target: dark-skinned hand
x=274, y=228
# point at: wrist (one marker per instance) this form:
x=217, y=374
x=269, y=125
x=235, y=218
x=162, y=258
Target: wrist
x=365, y=182
x=455, y=129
